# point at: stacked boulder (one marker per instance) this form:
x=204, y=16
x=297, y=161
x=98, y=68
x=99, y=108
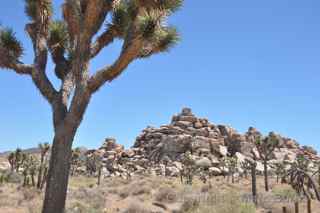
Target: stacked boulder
x=161, y=150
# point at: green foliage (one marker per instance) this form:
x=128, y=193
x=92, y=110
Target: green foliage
x=33, y=7
x=171, y=5
x=166, y=38
x=147, y=23
x=286, y=193
x=58, y=35
x=121, y=17
x=166, y=5
x=10, y=47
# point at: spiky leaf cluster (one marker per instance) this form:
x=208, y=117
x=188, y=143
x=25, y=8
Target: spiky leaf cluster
x=33, y=8
x=149, y=18
x=166, y=38
x=148, y=23
x=58, y=36
x=121, y=17
x=165, y=5
x=267, y=145
x=10, y=47
x=302, y=162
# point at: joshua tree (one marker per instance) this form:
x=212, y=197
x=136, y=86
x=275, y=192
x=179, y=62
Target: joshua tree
x=75, y=160
x=246, y=167
x=253, y=165
x=93, y=163
x=280, y=170
x=16, y=159
x=44, y=149
x=302, y=182
x=29, y=167
x=265, y=147
x=188, y=169
x=231, y=163
x=72, y=43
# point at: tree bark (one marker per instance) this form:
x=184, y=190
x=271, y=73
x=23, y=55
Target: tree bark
x=40, y=171
x=309, y=206
x=58, y=175
x=254, y=184
x=296, y=207
x=265, y=171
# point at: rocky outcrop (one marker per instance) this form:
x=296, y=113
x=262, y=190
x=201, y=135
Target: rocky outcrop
x=161, y=150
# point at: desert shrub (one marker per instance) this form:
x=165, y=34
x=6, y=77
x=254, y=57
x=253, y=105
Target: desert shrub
x=29, y=194
x=11, y=177
x=137, y=189
x=166, y=194
x=136, y=208
x=85, y=200
x=285, y=194
x=216, y=202
x=124, y=192
x=190, y=204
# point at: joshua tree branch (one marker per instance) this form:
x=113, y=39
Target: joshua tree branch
x=103, y=40
x=109, y=73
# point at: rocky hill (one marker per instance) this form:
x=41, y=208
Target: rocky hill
x=161, y=150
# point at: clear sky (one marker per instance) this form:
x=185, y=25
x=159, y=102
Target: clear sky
x=242, y=63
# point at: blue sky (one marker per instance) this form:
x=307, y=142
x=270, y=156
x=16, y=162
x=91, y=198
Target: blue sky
x=242, y=63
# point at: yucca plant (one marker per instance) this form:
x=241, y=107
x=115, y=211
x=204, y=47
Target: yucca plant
x=72, y=43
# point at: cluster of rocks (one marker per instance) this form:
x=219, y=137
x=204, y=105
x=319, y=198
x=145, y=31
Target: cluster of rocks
x=161, y=150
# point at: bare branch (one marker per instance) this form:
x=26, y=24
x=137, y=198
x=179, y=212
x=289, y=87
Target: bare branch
x=38, y=32
x=21, y=68
x=104, y=40
x=108, y=74
x=95, y=14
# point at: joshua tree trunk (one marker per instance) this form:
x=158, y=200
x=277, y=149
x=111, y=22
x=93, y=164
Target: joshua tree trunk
x=254, y=183
x=319, y=175
x=99, y=175
x=44, y=178
x=265, y=171
x=296, y=207
x=284, y=209
x=309, y=205
x=40, y=172
x=58, y=175
x=32, y=180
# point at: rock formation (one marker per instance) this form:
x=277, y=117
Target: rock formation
x=160, y=150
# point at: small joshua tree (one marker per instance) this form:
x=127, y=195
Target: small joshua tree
x=188, y=169
x=232, y=165
x=280, y=170
x=16, y=159
x=93, y=163
x=87, y=28
x=265, y=147
x=302, y=182
x=44, y=149
x=75, y=160
x=246, y=167
x=30, y=166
